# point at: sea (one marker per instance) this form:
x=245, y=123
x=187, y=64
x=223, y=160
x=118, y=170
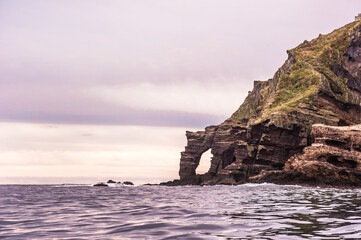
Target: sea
x=249, y=211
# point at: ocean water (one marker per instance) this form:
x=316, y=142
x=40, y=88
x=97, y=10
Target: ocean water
x=250, y=211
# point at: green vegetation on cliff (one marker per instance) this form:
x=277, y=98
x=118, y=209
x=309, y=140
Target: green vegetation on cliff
x=307, y=70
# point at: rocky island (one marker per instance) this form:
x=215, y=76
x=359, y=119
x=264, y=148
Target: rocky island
x=276, y=134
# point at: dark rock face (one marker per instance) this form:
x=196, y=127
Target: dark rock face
x=352, y=63
x=320, y=83
x=334, y=159
x=198, y=143
x=240, y=152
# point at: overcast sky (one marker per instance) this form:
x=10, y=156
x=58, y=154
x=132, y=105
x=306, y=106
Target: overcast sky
x=151, y=64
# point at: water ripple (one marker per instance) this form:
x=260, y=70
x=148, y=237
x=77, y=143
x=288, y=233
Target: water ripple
x=250, y=211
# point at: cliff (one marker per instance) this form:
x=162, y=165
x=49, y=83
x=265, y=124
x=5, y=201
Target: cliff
x=333, y=159
x=320, y=83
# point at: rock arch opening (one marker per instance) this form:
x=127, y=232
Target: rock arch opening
x=204, y=162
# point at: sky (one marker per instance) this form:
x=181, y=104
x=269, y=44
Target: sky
x=92, y=90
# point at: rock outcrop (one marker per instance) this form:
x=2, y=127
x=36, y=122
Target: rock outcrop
x=334, y=159
x=320, y=83
x=101, y=184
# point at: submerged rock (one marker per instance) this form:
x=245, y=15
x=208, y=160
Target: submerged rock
x=320, y=83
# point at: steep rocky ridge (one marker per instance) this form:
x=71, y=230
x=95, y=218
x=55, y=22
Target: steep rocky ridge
x=320, y=83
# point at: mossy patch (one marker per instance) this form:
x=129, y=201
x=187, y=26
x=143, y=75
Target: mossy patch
x=300, y=81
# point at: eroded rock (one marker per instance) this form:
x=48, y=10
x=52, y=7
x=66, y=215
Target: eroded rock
x=334, y=159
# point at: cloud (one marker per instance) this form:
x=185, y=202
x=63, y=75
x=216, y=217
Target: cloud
x=119, y=116
x=147, y=62
x=123, y=152
x=190, y=97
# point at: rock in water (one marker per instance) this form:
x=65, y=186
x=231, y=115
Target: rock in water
x=128, y=183
x=101, y=184
x=320, y=83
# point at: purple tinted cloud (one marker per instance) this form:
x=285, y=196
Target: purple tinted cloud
x=53, y=51
x=122, y=117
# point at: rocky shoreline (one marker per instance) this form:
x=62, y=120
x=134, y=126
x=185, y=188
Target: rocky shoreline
x=332, y=160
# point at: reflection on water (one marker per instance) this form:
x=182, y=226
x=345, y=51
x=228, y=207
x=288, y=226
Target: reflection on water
x=250, y=211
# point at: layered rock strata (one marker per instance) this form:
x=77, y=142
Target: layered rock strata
x=334, y=159
x=320, y=83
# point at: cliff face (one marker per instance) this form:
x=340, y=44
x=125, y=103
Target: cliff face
x=320, y=83
x=333, y=159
